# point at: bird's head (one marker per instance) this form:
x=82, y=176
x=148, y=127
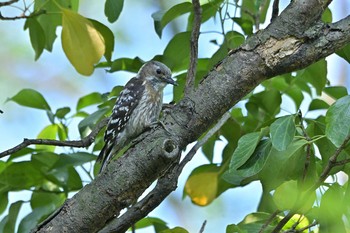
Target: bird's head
x=157, y=73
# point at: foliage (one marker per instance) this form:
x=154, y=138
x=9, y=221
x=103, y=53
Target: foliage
x=286, y=150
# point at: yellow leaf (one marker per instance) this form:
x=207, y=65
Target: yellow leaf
x=202, y=187
x=82, y=43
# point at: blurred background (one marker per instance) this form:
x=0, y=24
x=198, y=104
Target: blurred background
x=54, y=77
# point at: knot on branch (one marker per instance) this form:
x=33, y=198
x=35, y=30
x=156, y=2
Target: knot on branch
x=170, y=149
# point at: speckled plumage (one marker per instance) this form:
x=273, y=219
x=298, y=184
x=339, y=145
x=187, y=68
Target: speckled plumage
x=137, y=107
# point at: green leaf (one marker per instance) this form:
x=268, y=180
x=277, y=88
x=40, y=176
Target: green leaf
x=128, y=64
x=10, y=225
x=208, y=148
x=331, y=210
x=89, y=122
x=246, y=146
x=4, y=202
x=282, y=132
x=177, y=52
x=338, y=121
x=82, y=43
x=202, y=184
x=327, y=15
x=344, y=53
x=21, y=175
x=88, y=100
x=317, y=104
x=113, y=8
x=158, y=223
x=37, y=36
x=74, y=159
x=62, y=112
x=41, y=199
x=49, y=132
x=336, y=91
x=252, y=167
x=34, y=218
x=107, y=36
x=316, y=75
x=161, y=19
x=52, y=17
x=30, y=98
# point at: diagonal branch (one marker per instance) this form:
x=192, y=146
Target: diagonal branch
x=8, y=3
x=85, y=142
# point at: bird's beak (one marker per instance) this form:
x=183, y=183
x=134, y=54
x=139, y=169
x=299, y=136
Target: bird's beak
x=169, y=80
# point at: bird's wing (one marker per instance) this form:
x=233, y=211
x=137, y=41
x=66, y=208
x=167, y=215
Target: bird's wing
x=125, y=104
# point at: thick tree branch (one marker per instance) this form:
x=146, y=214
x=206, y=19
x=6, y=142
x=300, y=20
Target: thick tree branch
x=85, y=142
x=294, y=40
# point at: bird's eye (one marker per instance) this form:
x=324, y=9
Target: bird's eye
x=158, y=71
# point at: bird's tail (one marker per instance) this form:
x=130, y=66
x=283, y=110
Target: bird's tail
x=105, y=155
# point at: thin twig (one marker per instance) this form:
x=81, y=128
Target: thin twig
x=268, y=221
x=191, y=74
x=85, y=142
x=203, y=226
x=308, y=146
x=306, y=227
x=23, y=16
x=283, y=222
x=8, y=3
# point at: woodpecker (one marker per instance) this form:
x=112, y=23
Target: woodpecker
x=137, y=108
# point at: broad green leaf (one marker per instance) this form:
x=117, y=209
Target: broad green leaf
x=338, y=121
x=35, y=217
x=37, y=36
x=62, y=112
x=286, y=195
x=49, y=132
x=66, y=177
x=107, y=36
x=252, y=167
x=41, y=199
x=30, y=98
x=253, y=222
x=246, y=146
x=316, y=75
x=208, y=148
x=161, y=19
x=332, y=210
x=10, y=225
x=317, y=104
x=283, y=165
x=202, y=184
x=62, y=132
x=245, y=24
x=88, y=100
x=82, y=43
x=177, y=52
x=336, y=91
x=113, y=8
x=344, y=53
x=282, y=132
x=52, y=17
x=88, y=122
x=127, y=64
x=74, y=159
x=234, y=39
x=21, y=175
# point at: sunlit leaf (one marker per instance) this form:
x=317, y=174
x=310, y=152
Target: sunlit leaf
x=49, y=132
x=88, y=100
x=30, y=98
x=82, y=43
x=202, y=184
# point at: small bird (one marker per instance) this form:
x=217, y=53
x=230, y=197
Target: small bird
x=136, y=109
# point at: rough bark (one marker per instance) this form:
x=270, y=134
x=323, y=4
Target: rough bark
x=294, y=40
